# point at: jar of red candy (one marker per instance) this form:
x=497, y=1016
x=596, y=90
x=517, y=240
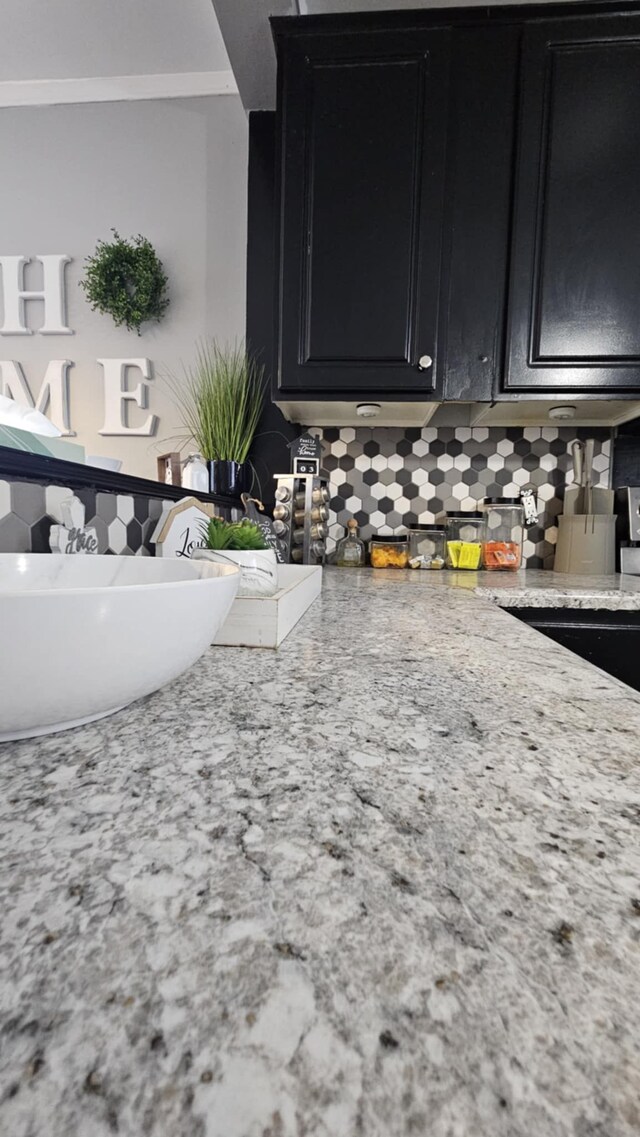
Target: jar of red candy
x=502, y=533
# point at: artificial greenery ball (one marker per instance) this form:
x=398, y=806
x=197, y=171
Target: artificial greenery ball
x=235, y=536
x=126, y=280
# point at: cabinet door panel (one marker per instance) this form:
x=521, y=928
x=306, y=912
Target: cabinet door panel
x=362, y=177
x=576, y=251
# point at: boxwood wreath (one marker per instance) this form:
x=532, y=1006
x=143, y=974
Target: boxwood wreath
x=126, y=280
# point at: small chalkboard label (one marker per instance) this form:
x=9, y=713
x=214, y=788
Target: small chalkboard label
x=265, y=525
x=306, y=446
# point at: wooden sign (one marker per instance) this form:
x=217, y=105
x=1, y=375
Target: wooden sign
x=73, y=536
x=179, y=530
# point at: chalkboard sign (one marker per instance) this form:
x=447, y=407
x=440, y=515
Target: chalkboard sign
x=265, y=525
x=306, y=453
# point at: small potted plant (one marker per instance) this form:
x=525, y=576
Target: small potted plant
x=241, y=543
x=220, y=398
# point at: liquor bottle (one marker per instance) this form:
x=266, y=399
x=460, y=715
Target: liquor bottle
x=350, y=552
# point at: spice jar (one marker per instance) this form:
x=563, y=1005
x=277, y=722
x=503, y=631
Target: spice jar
x=502, y=533
x=389, y=551
x=426, y=546
x=464, y=539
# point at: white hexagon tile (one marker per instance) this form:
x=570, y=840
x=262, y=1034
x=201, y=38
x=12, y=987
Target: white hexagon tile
x=123, y=523
x=390, y=478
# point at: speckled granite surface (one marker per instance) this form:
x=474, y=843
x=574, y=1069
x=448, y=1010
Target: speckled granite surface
x=373, y=884
x=538, y=589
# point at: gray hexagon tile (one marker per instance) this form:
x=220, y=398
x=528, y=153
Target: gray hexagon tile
x=393, y=478
x=123, y=524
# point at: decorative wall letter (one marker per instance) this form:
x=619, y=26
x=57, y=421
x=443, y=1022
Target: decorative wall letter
x=117, y=395
x=15, y=296
x=54, y=392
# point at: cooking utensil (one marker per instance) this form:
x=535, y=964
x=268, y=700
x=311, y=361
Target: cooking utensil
x=584, y=497
x=589, y=447
x=577, y=451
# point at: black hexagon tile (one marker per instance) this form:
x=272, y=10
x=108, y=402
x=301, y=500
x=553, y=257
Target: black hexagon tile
x=391, y=478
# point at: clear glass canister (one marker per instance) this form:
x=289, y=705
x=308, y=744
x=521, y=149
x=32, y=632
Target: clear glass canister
x=426, y=546
x=464, y=539
x=389, y=551
x=502, y=533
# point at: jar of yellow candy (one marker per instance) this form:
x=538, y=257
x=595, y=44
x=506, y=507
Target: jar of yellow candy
x=389, y=551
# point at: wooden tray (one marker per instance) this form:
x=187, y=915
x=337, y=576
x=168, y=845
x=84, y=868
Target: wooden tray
x=266, y=621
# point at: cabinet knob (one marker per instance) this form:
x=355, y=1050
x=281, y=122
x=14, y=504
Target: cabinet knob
x=424, y=363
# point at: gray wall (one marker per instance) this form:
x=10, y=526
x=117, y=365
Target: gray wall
x=173, y=170
x=61, y=39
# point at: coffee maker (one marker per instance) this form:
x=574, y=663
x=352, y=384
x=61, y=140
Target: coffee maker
x=628, y=528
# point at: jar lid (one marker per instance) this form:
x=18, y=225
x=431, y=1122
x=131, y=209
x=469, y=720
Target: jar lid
x=389, y=538
x=503, y=501
x=426, y=528
x=465, y=514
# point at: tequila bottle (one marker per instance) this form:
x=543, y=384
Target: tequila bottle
x=350, y=552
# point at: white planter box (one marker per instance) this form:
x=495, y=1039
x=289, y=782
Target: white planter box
x=266, y=621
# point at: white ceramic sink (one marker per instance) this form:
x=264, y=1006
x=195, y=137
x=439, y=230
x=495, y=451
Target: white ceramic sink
x=82, y=636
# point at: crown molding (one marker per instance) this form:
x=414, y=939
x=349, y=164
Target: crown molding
x=115, y=88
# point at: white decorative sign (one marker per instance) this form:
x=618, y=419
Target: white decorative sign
x=73, y=536
x=179, y=530
x=53, y=396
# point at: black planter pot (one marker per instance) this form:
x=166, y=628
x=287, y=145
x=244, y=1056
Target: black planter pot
x=228, y=478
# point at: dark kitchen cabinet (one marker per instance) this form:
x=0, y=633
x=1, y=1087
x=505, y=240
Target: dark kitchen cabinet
x=458, y=205
x=573, y=321
x=609, y=640
x=363, y=121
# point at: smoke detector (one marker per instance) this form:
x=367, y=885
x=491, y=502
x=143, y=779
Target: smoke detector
x=368, y=410
x=562, y=414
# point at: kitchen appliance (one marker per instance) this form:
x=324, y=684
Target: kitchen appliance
x=628, y=528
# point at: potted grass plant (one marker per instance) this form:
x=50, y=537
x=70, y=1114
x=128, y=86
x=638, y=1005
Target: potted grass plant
x=241, y=543
x=220, y=397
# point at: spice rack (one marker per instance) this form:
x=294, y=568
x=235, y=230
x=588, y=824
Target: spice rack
x=300, y=516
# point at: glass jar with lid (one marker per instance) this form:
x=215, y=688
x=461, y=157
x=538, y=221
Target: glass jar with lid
x=464, y=539
x=389, y=551
x=426, y=546
x=502, y=533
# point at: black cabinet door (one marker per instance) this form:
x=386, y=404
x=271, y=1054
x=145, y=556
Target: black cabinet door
x=575, y=276
x=363, y=127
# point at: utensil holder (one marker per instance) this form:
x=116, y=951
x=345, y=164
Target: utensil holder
x=586, y=544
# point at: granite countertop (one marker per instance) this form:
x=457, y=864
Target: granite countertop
x=382, y=882
x=539, y=589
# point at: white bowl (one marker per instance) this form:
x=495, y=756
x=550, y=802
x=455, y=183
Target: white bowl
x=83, y=636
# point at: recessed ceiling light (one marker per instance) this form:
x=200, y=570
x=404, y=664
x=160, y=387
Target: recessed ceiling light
x=562, y=414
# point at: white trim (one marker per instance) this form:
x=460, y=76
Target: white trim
x=115, y=88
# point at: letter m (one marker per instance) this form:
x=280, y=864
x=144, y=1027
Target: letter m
x=52, y=397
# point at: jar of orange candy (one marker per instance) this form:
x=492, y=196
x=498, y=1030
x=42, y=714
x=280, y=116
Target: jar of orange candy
x=502, y=533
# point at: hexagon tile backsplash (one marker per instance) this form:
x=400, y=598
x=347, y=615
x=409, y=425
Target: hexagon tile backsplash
x=123, y=523
x=393, y=477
